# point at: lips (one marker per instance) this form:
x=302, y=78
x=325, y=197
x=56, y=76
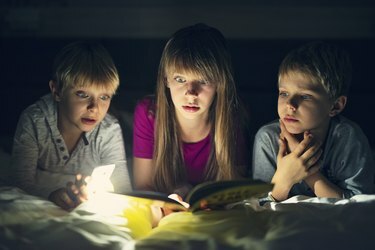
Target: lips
x=190, y=109
x=290, y=119
x=88, y=121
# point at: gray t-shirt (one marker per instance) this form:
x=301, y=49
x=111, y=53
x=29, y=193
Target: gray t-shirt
x=40, y=159
x=347, y=158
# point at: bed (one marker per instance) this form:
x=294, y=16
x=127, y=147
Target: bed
x=28, y=222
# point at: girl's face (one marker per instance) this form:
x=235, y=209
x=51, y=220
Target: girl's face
x=303, y=105
x=81, y=109
x=192, y=96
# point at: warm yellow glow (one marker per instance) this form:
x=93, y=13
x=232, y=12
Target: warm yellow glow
x=131, y=214
x=100, y=182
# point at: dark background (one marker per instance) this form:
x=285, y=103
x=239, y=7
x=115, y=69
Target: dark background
x=259, y=35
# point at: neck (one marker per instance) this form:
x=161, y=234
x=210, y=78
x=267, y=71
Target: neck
x=194, y=131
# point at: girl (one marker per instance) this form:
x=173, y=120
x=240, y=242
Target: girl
x=189, y=132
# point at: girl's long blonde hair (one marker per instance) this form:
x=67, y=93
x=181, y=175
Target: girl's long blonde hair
x=201, y=50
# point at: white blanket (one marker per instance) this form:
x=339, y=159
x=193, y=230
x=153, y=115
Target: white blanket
x=28, y=222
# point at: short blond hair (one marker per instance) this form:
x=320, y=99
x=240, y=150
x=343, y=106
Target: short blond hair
x=323, y=63
x=84, y=64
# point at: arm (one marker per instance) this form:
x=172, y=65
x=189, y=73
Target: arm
x=24, y=157
x=143, y=146
x=322, y=187
x=350, y=159
x=142, y=169
x=264, y=153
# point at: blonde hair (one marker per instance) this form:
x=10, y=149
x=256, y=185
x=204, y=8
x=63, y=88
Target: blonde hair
x=201, y=50
x=323, y=63
x=85, y=64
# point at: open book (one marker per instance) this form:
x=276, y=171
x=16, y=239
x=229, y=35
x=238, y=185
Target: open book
x=212, y=195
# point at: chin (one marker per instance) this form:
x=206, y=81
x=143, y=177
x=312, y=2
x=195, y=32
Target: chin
x=87, y=128
x=295, y=131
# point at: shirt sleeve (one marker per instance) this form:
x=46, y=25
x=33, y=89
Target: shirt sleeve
x=354, y=169
x=24, y=158
x=264, y=153
x=143, y=130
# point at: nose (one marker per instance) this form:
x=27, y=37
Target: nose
x=192, y=89
x=292, y=104
x=93, y=105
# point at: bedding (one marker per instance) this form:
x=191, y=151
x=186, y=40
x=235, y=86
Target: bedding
x=113, y=222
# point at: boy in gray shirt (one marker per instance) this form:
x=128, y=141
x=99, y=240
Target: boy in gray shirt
x=67, y=133
x=312, y=150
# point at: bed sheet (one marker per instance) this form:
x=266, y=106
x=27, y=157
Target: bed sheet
x=297, y=223
x=28, y=222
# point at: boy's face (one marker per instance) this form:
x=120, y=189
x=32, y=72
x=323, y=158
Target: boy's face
x=81, y=109
x=303, y=105
x=191, y=95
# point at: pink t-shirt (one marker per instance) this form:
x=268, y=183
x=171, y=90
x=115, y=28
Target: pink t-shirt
x=195, y=154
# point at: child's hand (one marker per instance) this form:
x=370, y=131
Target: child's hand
x=62, y=199
x=176, y=197
x=70, y=196
x=298, y=164
x=292, y=140
x=78, y=189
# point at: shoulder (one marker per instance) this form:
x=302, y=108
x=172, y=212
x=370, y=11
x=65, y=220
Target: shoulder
x=267, y=135
x=109, y=122
x=43, y=109
x=271, y=129
x=146, y=107
x=342, y=127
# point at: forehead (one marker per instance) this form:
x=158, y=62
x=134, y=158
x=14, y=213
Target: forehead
x=94, y=88
x=300, y=81
x=185, y=73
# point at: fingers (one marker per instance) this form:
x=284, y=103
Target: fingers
x=178, y=198
x=312, y=155
x=314, y=169
x=66, y=202
x=61, y=198
x=77, y=190
x=282, y=149
x=305, y=145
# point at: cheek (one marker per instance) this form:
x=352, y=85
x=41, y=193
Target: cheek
x=104, y=107
x=280, y=107
x=209, y=95
x=173, y=94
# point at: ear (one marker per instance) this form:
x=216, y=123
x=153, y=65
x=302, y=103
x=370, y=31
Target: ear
x=55, y=93
x=338, y=106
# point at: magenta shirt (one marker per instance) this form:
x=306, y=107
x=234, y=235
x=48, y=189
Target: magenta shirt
x=195, y=154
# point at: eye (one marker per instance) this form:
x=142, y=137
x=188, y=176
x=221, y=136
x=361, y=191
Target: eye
x=82, y=94
x=105, y=97
x=283, y=94
x=306, y=97
x=179, y=79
